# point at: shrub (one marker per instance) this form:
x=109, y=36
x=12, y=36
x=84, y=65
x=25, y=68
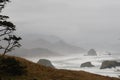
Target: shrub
x=11, y=66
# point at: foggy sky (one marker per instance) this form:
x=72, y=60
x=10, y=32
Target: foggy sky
x=87, y=23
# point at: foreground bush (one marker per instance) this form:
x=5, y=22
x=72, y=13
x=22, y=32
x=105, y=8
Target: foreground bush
x=11, y=66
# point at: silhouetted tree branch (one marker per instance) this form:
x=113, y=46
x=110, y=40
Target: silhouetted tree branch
x=13, y=42
x=6, y=31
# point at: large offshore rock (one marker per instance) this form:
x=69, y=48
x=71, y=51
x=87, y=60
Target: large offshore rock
x=46, y=63
x=109, y=64
x=92, y=52
x=87, y=64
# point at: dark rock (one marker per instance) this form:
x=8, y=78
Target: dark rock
x=109, y=64
x=92, y=52
x=87, y=64
x=46, y=63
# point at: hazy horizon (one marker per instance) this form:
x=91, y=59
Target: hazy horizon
x=85, y=23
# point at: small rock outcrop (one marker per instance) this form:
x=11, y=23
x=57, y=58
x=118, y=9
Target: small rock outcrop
x=92, y=52
x=46, y=63
x=109, y=64
x=87, y=64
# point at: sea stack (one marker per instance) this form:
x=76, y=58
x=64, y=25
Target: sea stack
x=46, y=63
x=92, y=52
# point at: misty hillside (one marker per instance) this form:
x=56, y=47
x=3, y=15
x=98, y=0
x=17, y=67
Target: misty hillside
x=35, y=52
x=62, y=46
x=35, y=71
x=46, y=45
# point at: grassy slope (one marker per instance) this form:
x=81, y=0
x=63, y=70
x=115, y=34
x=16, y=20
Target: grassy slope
x=39, y=72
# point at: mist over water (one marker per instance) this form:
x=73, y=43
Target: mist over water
x=63, y=31
x=85, y=23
